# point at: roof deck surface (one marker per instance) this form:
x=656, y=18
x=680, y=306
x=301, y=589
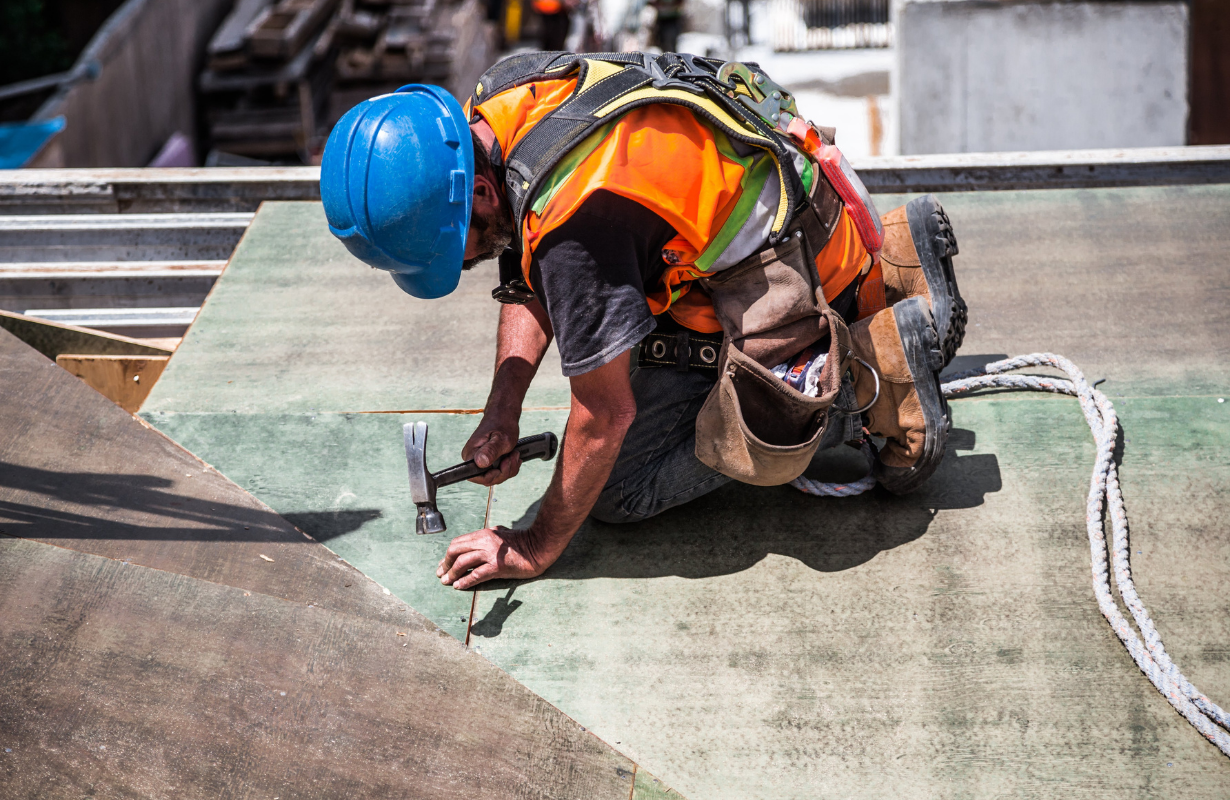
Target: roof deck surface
x=164, y=634
x=763, y=643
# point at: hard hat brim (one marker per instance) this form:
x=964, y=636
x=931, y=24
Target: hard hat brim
x=428, y=284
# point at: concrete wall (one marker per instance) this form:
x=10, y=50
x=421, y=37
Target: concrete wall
x=978, y=76
x=150, y=52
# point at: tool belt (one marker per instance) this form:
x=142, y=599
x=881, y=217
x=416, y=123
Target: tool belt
x=683, y=350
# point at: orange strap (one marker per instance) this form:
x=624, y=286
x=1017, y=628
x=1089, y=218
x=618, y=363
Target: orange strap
x=871, y=292
x=842, y=259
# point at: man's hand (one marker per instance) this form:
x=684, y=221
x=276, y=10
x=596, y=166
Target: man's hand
x=495, y=437
x=603, y=408
x=523, y=337
x=494, y=553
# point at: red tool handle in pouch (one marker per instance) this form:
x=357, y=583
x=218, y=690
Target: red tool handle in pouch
x=847, y=183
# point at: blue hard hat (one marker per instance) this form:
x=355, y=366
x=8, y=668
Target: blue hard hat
x=397, y=181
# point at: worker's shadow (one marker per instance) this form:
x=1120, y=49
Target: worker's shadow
x=48, y=504
x=737, y=526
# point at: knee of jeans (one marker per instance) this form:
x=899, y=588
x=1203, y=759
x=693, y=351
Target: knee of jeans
x=611, y=507
x=610, y=510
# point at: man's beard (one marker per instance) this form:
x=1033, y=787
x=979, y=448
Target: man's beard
x=493, y=237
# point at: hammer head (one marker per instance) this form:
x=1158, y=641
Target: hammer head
x=422, y=484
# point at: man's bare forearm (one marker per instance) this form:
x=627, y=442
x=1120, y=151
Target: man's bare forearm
x=522, y=341
x=603, y=407
x=596, y=427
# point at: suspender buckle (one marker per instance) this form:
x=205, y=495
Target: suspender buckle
x=767, y=99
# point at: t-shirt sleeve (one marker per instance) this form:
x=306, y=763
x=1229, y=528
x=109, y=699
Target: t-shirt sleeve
x=590, y=274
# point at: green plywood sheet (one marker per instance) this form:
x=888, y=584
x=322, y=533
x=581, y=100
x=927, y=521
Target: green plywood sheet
x=341, y=478
x=647, y=787
x=1128, y=283
x=761, y=643
x=296, y=324
x=1121, y=280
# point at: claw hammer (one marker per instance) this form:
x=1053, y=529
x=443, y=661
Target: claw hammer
x=423, y=483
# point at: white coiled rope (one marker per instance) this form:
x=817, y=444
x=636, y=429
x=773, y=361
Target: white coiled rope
x=1104, y=493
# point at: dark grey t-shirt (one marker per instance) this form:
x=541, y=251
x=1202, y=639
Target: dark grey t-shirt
x=590, y=274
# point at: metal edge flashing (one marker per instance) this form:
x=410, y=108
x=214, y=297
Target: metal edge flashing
x=153, y=190
x=1057, y=169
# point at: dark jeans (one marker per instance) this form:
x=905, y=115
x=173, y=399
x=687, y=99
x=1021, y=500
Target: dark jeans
x=657, y=467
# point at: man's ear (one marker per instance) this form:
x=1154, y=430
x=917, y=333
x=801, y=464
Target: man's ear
x=488, y=198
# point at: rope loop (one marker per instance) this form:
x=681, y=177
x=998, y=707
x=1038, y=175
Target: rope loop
x=1105, y=495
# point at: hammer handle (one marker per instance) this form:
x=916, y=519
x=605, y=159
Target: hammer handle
x=541, y=446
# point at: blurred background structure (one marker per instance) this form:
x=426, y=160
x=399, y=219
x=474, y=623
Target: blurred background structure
x=228, y=84
x=106, y=83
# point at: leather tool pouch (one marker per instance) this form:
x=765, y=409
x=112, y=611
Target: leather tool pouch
x=754, y=427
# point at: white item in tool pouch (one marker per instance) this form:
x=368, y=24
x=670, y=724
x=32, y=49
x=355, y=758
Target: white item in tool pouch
x=802, y=373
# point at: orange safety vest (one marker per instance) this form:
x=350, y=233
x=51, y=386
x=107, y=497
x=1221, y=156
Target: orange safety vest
x=675, y=164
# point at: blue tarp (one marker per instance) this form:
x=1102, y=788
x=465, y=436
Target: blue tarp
x=21, y=140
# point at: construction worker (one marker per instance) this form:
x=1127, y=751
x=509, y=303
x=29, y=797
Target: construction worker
x=634, y=200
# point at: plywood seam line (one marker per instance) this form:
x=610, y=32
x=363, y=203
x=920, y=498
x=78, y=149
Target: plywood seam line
x=474, y=596
x=1105, y=493
x=438, y=410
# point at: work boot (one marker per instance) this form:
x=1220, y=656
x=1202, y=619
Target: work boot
x=906, y=406
x=916, y=261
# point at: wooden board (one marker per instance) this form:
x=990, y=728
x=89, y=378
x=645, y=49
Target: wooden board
x=53, y=338
x=124, y=380
x=280, y=30
x=77, y=471
x=118, y=680
x=176, y=610
x=228, y=41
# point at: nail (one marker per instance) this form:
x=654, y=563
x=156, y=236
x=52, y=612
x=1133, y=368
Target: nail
x=444, y=580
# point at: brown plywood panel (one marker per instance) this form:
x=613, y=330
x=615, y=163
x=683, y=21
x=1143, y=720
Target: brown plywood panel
x=181, y=639
x=120, y=681
x=124, y=380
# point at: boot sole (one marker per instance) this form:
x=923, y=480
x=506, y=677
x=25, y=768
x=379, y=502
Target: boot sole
x=919, y=340
x=936, y=245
